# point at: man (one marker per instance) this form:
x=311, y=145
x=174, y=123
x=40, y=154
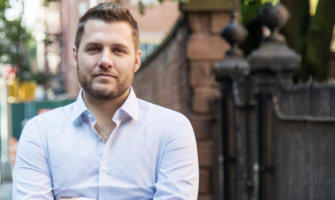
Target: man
x=108, y=144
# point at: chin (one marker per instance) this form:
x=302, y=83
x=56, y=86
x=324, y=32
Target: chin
x=104, y=95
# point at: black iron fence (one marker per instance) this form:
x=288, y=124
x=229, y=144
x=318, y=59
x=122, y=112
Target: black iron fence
x=277, y=138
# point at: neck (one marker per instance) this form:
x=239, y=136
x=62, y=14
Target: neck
x=104, y=109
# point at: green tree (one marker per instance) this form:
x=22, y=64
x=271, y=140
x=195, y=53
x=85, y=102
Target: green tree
x=250, y=19
x=15, y=40
x=309, y=35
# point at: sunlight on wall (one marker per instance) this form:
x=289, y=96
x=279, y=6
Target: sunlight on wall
x=332, y=44
x=312, y=6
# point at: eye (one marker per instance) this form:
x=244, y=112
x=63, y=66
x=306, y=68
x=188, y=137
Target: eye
x=119, y=51
x=93, y=49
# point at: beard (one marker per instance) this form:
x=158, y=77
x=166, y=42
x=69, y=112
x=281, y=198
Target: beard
x=106, y=91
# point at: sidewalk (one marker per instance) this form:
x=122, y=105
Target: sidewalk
x=6, y=191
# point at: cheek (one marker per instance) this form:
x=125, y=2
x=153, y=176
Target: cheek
x=123, y=65
x=127, y=71
x=86, y=64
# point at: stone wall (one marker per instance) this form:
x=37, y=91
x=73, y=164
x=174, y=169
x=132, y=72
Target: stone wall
x=205, y=47
x=163, y=77
x=179, y=76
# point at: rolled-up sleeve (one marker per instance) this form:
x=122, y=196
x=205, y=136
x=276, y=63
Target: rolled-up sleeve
x=32, y=179
x=178, y=175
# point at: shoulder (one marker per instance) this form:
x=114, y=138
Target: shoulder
x=52, y=117
x=164, y=120
x=157, y=112
x=38, y=128
x=174, y=128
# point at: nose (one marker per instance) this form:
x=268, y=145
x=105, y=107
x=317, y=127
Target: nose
x=106, y=60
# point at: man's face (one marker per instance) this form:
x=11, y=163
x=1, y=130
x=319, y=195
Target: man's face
x=106, y=59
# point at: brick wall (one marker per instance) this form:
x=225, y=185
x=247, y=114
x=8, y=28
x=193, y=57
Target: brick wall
x=178, y=76
x=163, y=78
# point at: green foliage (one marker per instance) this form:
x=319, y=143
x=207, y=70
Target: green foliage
x=41, y=78
x=316, y=51
x=15, y=40
x=4, y=4
x=141, y=5
x=309, y=35
x=47, y=2
x=250, y=11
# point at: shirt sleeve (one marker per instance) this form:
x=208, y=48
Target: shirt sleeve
x=32, y=179
x=178, y=175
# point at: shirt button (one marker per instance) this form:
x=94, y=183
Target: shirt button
x=104, y=168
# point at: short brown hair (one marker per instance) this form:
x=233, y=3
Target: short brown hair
x=107, y=12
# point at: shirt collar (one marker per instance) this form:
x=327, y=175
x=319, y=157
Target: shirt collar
x=129, y=107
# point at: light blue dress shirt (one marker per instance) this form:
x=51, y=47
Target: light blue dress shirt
x=150, y=154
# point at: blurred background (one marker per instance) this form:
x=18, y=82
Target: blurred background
x=37, y=39
x=185, y=45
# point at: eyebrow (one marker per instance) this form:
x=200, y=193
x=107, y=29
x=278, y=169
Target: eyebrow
x=120, y=46
x=92, y=44
x=99, y=44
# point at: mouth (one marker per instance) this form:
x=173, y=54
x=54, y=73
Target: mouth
x=104, y=75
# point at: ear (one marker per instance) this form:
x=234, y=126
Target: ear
x=75, y=56
x=138, y=60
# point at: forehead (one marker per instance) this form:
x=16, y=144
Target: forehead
x=98, y=31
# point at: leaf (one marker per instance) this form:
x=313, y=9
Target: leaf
x=141, y=7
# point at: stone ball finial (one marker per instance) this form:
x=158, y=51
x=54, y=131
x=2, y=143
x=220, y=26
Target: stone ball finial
x=274, y=17
x=234, y=33
x=234, y=64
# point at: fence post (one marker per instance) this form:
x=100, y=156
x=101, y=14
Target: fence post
x=227, y=72
x=272, y=65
